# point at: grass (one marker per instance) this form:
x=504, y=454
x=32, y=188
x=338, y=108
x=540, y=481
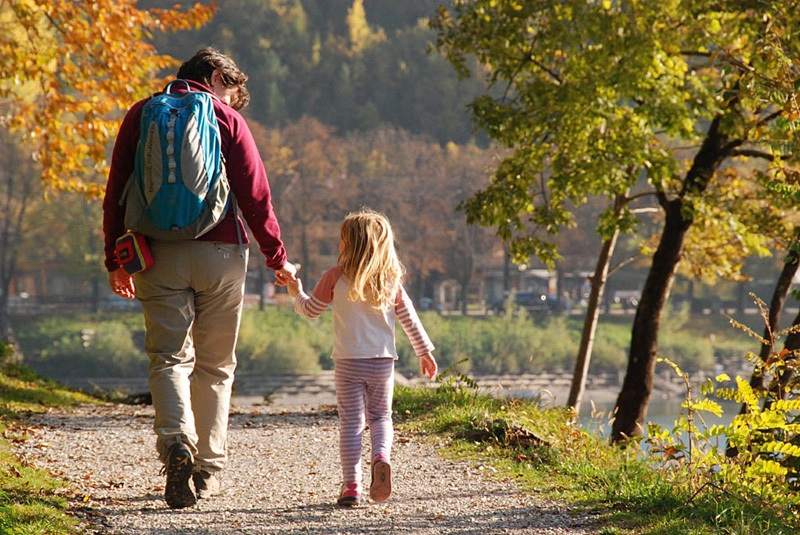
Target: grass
x=29, y=500
x=545, y=453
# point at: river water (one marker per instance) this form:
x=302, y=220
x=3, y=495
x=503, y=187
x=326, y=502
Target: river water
x=664, y=412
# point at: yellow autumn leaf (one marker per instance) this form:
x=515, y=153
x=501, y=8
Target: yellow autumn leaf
x=78, y=61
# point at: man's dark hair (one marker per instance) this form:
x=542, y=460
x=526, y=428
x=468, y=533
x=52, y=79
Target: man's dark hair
x=207, y=60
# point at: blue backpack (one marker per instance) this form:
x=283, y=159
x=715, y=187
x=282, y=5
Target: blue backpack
x=179, y=189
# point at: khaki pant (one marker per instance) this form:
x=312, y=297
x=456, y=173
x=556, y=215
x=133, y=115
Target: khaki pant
x=192, y=303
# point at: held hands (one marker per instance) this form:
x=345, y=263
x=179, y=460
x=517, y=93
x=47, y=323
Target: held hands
x=121, y=283
x=285, y=274
x=427, y=366
x=294, y=287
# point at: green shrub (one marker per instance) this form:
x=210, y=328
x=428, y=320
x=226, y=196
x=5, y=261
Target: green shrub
x=284, y=356
x=6, y=353
x=691, y=353
x=756, y=457
x=610, y=348
x=280, y=341
x=495, y=345
x=97, y=350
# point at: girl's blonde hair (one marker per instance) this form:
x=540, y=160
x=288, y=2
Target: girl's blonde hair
x=369, y=260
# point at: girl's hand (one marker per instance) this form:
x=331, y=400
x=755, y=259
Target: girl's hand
x=294, y=287
x=427, y=366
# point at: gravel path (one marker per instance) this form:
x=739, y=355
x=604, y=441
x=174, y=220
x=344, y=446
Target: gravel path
x=282, y=478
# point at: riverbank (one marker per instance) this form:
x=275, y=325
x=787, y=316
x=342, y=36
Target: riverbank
x=318, y=389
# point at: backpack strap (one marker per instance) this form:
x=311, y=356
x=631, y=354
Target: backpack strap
x=236, y=222
x=189, y=89
x=169, y=85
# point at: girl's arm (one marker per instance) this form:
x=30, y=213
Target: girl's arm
x=407, y=316
x=312, y=306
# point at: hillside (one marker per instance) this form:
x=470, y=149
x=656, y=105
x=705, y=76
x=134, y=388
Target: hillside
x=352, y=65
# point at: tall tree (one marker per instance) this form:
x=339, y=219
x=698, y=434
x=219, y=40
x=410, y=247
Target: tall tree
x=309, y=176
x=361, y=35
x=19, y=191
x=598, y=94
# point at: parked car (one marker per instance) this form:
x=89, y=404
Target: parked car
x=529, y=300
x=628, y=299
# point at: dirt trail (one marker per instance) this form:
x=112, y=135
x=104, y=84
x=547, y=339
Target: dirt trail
x=282, y=478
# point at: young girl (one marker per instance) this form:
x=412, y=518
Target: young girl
x=366, y=290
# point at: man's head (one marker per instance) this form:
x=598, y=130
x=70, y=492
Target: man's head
x=212, y=68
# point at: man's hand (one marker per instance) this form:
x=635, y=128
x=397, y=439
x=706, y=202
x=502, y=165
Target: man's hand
x=285, y=274
x=122, y=283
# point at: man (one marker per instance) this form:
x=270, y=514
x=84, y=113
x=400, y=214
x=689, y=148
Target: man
x=192, y=295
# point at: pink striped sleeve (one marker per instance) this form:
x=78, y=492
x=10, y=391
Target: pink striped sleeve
x=312, y=306
x=407, y=316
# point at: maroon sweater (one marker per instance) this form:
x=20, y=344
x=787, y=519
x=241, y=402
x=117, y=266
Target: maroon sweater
x=246, y=174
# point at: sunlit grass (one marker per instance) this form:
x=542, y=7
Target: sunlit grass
x=29, y=503
x=545, y=452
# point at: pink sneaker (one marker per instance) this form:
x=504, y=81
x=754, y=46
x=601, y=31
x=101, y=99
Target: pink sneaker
x=349, y=495
x=381, y=486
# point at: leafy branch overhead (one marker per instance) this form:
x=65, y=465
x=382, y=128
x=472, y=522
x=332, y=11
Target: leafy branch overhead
x=71, y=69
x=617, y=98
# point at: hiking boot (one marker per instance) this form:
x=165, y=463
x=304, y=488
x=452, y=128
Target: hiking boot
x=178, y=493
x=381, y=486
x=349, y=495
x=206, y=484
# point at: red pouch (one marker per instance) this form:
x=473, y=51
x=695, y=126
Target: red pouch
x=133, y=252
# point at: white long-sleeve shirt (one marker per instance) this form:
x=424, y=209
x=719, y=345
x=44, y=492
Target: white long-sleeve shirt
x=360, y=331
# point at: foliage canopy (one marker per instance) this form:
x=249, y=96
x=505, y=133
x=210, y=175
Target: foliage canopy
x=599, y=95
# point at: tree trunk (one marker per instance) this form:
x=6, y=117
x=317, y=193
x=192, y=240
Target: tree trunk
x=5, y=322
x=634, y=397
x=779, y=295
x=638, y=384
x=7, y=334
x=792, y=343
x=598, y=287
x=506, y=271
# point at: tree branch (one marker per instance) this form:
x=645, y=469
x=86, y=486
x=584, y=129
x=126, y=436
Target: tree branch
x=753, y=154
x=695, y=53
x=640, y=195
x=553, y=74
x=768, y=118
x=648, y=210
x=624, y=262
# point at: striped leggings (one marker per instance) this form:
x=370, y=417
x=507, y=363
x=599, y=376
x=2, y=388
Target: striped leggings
x=364, y=389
